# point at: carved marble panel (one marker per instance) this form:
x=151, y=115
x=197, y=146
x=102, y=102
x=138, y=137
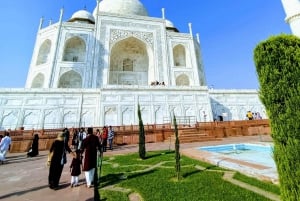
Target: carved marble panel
x=34, y=101
x=127, y=98
x=159, y=98
x=110, y=115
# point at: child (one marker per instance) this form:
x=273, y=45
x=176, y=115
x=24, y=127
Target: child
x=75, y=169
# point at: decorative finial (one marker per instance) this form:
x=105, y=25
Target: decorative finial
x=190, y=28
x=41, y=23
x=198, y=37
x=163, y=13
x=61, y=14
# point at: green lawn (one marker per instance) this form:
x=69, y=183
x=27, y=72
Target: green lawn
x=154, y=179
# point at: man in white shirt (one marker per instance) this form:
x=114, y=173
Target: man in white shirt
x=4, y=146
x=81, y=137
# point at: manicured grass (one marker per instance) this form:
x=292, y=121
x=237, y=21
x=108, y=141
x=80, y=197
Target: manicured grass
x=263, y=185
x=160, y=183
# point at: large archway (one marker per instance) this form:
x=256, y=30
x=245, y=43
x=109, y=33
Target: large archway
x=129, y=63
x=182, y=80
x=75, y=50
x=38, y=81
x=44, y=52
x=179, y=55
x=70, y=79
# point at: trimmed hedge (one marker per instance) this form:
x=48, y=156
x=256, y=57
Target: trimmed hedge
x=277, y=63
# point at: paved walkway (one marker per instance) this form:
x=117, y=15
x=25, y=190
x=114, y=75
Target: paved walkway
x=25, y=179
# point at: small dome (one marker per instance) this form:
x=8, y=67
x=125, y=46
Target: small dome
x=123, y=7
x=170, y=26
x=82, y=16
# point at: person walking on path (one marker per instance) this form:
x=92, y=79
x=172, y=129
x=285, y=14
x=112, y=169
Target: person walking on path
x=81, y=137
x=111, y=134
x=58, y=159
x=4, y=146
x=34, y=150
x=91, y=146
x=75, y=168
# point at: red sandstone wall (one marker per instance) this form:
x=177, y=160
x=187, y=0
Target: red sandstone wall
x=21, y=139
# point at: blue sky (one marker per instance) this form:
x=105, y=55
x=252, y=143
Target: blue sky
x=229, y=31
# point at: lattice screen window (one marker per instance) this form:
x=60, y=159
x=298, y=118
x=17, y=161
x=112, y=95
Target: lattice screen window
x=127, y=65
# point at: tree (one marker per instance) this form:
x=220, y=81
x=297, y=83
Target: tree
x=177, y=153
x=142, y=147
x=277, y=63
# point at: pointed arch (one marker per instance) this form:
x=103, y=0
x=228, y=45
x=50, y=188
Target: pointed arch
x=38, y=81
x=182, y=80
x=70, y=79
x=179, y=55
x=75, y=50
x=129, y=62
x=44, y=52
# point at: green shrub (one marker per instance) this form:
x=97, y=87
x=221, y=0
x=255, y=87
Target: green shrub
x=277, y=63
x=142, y=146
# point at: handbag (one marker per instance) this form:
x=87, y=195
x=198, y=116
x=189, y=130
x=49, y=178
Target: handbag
x=64, y=158
x=49, y=158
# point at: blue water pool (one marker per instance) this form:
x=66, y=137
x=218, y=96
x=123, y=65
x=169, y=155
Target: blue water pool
x=251, y=153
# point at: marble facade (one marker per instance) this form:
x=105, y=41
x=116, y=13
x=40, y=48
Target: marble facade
x=94, y=70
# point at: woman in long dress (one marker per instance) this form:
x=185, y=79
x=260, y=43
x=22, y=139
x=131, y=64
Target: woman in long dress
x=58, y=151
x=34, y=150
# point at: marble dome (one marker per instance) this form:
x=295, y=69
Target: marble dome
x=123, y=7
x=169, y=24
x=82, y=15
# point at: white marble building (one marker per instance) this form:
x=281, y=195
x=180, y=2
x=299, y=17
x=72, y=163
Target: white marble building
x=94, y=69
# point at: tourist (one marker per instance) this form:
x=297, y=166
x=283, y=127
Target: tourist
x=4, y=146
x=110, y=138
x=104, y=138
x=81, y=137
x=75, y=168
x=90, y=147
x=75, y=140
x=58, y=159
x=249, y=115
x=258, y=115
x=34, y=149
x=67, y=135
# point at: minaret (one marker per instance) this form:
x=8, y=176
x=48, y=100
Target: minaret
x=292, y=11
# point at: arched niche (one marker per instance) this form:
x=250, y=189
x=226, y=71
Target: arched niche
x=70, y=79
x=129, y=63
x=44, y=52
x=75, y=50
x=179, y=55
x=182, y=80
x=38, y=81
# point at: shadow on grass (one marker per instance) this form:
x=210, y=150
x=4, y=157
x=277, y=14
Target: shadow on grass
x=212, y=167
x=92, y=199
x=112, y=179
x=185, y=175
x=159, y=154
